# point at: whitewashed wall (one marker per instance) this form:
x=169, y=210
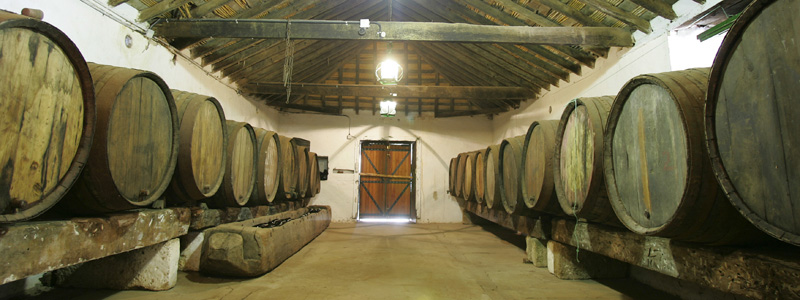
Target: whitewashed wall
x=438, y=140
x=101, y=40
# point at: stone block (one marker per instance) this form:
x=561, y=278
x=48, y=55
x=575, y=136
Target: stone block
x=191, y=247
x=149, y=268
x=565, y=262
x=536, y=250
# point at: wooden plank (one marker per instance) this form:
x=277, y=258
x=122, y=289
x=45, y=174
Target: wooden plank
x=658, y=7
x=385, y=176
x=324, y=110
x=469, y=112
x=396, y=31
x=402, y=91
x=619, y=14
x=159, y=9
x=116, y=2
x=571, y=12
x=36, y=247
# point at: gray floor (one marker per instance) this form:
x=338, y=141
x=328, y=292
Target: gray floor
x=386, y=261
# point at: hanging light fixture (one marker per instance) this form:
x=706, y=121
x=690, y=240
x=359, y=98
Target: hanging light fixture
x=388, y=108
x=389, y=72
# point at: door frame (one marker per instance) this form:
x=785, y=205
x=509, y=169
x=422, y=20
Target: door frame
x=412, y=189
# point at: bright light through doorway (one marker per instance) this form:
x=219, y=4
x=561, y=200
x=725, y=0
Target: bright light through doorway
x=385, y=220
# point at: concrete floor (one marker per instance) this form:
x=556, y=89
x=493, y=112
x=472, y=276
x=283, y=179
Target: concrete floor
x=389, y=261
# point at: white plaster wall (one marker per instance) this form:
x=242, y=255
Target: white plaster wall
x=438, y=140
x=101, y=40
x=652, y=54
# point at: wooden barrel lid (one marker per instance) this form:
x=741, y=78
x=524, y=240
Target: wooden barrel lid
x=240, y=167
x=462, y=161
x=469, y=178
x=751, y=117
x=313, y=174
x=287, y=189
x=268, y=167
x=47, y=109
x=480, y=176
x=578, y=171
x=202, y=154
x=451, y=182
x=302, y=170
x=538, y=188
x=493, y=189
x=511, y=169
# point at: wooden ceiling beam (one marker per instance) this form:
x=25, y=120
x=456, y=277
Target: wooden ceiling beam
x=304, y=59
x=159, y=9
x=619, y=14
x=658, y=7
x=464, y=113
x=481, y=93
x=397, y=31
x=570, y=12
x=325, y=110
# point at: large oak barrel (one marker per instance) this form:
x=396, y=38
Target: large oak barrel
x=302, y=169
x=202, y=151
x=480, y=176
x=267, y=167
x=47, y=116
x=451, y=182
x=240, y=167
x=657, y=171
x=135, y=147
x=511, y=169
x=538, y=188
x=752, y=117
x=313, y=175
x=467, y=187
x=462, y=163
x=287, y=187
x=492, y=169
x=578, y=172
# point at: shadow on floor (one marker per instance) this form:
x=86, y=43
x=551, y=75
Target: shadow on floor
x=505, y=234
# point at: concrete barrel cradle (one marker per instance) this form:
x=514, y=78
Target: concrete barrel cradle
x=510, y=158
x=47, y=109
x=658, y=173
x=751, y=117
x=267, y=167
x=538, y=186
x=135, y=148
x=480, y=176
x=287, y=186
x=578, y=160
x=493, y=188
x=202, y=151
x=240, y=167
x=301, y=159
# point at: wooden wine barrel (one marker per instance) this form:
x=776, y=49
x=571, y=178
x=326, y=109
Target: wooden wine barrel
x=135, y=147
x=462, y=161
x=538, y=187
x=287, y=186
x=47, y=116
x=313, y=174
x=451, y=182
x=317, y=176
x=578, y=172
x=240, y=167
x=658, y=173
x=491, y=168
x=302, y=170
x=480, y=176
x=267, y=167
x=510, y=166
x=751, y=117
x=467, y=187
x=202, y=152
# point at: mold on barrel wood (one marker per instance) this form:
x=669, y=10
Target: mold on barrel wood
x=657, y=171
x=47, y=104
x=135, y=149
x=578, y=160
x=267, y=167
x=493, y=188
x=538, y=187
x=752, y=117
x=240, y=167
x=510, y=167
x=202, y=152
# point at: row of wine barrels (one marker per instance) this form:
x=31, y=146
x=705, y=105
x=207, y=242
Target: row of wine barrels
x=267, y=165
x=240, y=167
x=202, y=151
x=578, y=160
x=135, y=147
x=492, y=195
x=538, y=186
x=658, y=173
x=287, y=185
x=751, y=117
x=510, y=168
x=480, y=176
x=47, y=112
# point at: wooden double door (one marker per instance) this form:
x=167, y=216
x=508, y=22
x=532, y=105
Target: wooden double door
x=386, y=185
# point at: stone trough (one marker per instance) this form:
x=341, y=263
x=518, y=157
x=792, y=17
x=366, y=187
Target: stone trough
x=253, y=247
